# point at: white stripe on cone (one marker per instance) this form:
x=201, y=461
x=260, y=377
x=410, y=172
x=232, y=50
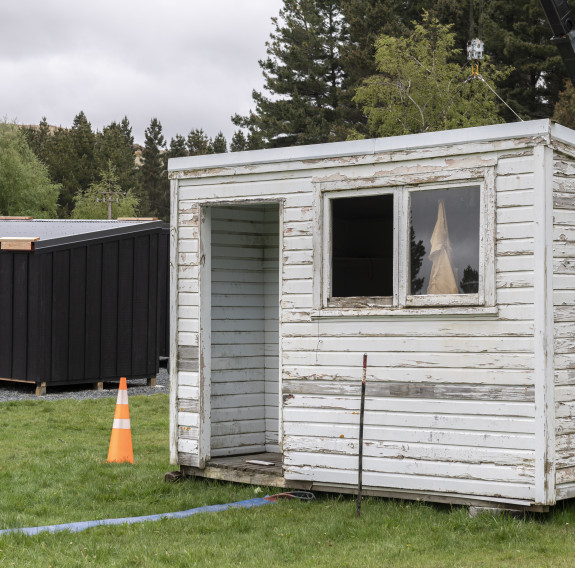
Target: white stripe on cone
x=122, y=397
x=121, y=423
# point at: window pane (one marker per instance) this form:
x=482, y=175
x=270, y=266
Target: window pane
x=444, y=241
x=362, y=246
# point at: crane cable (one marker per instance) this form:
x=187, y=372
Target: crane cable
x=475, y=54
x=479, y=76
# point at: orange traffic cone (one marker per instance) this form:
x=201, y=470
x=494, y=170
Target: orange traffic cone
x=121, y=440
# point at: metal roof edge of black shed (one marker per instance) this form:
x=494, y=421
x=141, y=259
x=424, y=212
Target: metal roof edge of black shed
x=101, y=235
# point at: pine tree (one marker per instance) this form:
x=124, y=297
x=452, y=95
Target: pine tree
x=154, y=188
x=219, y=144
x=39, y=139
x=516, y=33
x=239, y=142
x=255, y=141
x=177, y=147
x=83, y=146
x=126, y=129
x=61, y=161
x=198, y=143
x=113, y=146
x=366, y=20
x=71, y=161
x=303, y=74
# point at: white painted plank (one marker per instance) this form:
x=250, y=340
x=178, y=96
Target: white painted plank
x=413, y=451
x=229, y=363
x=187, y=446
x=346, y=401
x=238, y=440
x=413, y=420
x=514, y=197
x=422, y=435
x=188, y=419
x=452, y=470
x=188, y=325
x=237, y=375
x=514, y=165
x=514, y=263
x=237, y=400
x=522, y=230
x=187, y=379
x=515, y=247
x=188, y=393
x=236, y=428
x=238, y=451
x=236, y=413
x=185, y=338
x=413, y=327
x=387, y=344
x=497, y=489
x=188, y=299
x=521, y=214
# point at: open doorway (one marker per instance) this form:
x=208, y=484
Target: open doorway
x=244, y=397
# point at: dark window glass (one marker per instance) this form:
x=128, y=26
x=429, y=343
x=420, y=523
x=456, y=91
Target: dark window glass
x=362, y=246
x=444, y=241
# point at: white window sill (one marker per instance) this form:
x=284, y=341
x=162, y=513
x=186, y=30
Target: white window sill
x=457, y=312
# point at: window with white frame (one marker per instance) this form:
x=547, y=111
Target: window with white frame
x=405, y=246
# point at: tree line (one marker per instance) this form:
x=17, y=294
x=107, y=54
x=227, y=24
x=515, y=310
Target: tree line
x=335, y=70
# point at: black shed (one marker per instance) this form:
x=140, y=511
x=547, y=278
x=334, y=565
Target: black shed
x=82, y=301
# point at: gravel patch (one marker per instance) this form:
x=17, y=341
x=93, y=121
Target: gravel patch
x=25, y=391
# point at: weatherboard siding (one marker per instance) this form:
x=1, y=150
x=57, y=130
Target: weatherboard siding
x=185, y=301
x=451, y=394
x=564, y=320
x=423, y=430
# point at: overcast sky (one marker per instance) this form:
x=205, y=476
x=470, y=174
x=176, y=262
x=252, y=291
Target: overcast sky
x=189, y=63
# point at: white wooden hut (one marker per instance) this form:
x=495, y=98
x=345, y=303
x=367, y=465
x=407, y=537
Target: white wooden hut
x=448, y=257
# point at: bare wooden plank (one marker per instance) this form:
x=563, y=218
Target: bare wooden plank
x=413, y=390
x=415, y=360
x=18, y=243
x=565, y=475
x=188, y=432
x=349, y=373
x=188, y=352
x=187, y=459
x=187, y=405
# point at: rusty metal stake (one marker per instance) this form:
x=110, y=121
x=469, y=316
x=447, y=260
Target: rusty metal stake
x=361, y=412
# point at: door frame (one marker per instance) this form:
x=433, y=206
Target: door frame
x=205, y=315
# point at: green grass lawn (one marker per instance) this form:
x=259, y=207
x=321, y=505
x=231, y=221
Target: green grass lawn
x=53, y=470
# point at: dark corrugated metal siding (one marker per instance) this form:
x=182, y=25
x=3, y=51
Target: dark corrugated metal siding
x=92, y=311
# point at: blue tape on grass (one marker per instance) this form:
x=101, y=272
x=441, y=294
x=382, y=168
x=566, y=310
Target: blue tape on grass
x=82, y=526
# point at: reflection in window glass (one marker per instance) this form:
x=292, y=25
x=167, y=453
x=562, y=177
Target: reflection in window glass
x=444, y=241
